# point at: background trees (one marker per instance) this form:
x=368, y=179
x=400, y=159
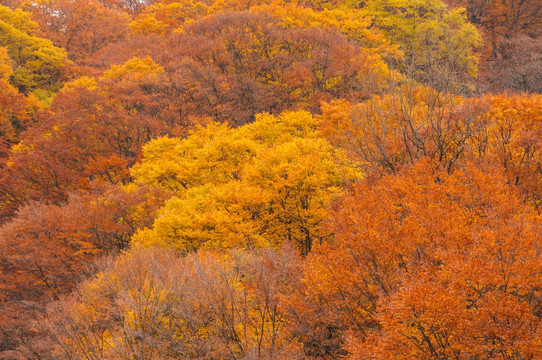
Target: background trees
x=512, y=33
x=424, y=39
x=436, y=43
x=233, y=66
x=81, y=27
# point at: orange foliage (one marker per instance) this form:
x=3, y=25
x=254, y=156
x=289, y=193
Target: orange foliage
x=91, y=132
x=426, y=265
x=81, y=27
x=389, y=132
x=436, y=254
x=514, y=141
x=47, y=249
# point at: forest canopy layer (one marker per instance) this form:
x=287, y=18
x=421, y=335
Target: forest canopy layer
x=233, y=179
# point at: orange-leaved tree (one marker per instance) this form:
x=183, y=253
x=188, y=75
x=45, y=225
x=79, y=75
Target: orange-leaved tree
x=398, y=129
x=81, y=27
x=93, y=130
x=426, y=265
x=47, y=249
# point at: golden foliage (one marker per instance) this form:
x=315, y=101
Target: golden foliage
x=258, y=185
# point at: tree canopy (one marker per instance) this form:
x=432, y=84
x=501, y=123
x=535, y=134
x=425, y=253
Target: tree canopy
x=309, y=179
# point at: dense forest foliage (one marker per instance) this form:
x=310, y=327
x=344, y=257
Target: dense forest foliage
x=249, y=179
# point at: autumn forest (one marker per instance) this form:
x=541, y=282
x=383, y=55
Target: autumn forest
x=270, y=179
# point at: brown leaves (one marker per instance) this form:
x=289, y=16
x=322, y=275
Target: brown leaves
x=81, y=27
x=47, y=249
x=236, y=65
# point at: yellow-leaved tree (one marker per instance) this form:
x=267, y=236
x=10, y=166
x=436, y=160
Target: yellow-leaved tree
x=262, y=184
x=437, y=42
x=36, y=62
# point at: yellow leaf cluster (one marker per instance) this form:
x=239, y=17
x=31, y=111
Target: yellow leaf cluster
x=138, y=67
x=35, y=59
x=258, y=185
